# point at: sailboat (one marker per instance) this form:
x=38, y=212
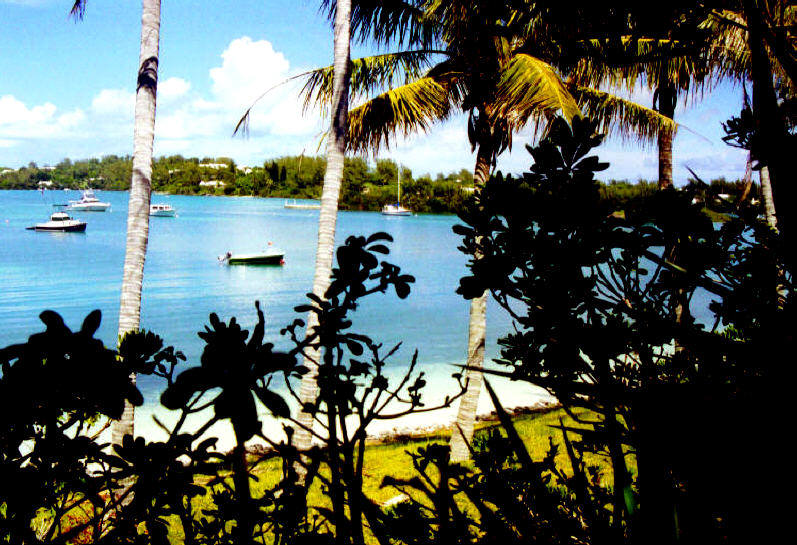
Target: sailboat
x=396, y=209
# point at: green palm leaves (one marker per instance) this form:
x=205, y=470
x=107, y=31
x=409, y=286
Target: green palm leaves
x=411, y=108
x=529, y=87
x=617, y=115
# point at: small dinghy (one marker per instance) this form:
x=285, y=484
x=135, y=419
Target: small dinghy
x=60, y=222
x=269, y=257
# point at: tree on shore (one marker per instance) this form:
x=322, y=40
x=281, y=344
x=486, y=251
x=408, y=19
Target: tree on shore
x=492, y=68
x=140, y=185
x=327, y=219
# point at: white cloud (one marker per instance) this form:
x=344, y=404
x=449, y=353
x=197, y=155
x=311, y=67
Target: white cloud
x=114, y=102
x=248, y=69
x=13, y=111
x=172, y=88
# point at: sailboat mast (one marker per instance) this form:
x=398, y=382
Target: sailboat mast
x=398, y=182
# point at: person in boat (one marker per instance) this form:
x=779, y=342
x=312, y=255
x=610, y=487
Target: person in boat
x=225, y=257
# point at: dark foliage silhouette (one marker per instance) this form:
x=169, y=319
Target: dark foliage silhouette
x=597, y=302
x=671, y=401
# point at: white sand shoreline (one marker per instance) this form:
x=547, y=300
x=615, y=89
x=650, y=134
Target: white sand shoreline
x=514, y=395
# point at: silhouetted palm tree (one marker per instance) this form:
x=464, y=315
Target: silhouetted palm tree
x=327, y=219
x=138, y=208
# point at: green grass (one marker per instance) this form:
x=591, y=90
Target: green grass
x=389, y=457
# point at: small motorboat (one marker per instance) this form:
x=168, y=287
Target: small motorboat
x=269, y=257
x=301, y=206
x=60, y=222
x=89, y=203
x=162, y=210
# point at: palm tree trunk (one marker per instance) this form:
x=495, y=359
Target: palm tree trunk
x=327, y=219
x=770, y=128
x=462, y=434
x=766, y=197
x=666, y=98
x=138, y=210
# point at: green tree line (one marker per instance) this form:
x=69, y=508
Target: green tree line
x=365, y=186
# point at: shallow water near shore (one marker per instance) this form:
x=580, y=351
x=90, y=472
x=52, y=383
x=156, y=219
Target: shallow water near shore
x=74, y=273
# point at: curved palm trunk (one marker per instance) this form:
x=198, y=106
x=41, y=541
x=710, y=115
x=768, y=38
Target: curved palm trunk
x=766, y=197
x=138, y=211
x=336, y=148
x=666, y=96
x=462, y=434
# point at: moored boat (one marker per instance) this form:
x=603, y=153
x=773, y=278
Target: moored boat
x=396, y=209
x=269, y=257
x=89, y=203
x=60, y=222
x=163, y=210
x=301, y=206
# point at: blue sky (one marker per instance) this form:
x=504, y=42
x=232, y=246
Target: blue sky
x=67, y=90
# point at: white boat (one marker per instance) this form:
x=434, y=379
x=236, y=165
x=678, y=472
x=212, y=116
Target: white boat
x=396, y=209
x=60, y=222
x=301, y=206
x=163, y=210
x=89, y=203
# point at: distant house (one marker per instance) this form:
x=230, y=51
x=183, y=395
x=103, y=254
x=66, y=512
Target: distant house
x=6, y=171
x=47, y=168
x=46, y=183
x=245, y=170
x=211, y=183
x=215, y=166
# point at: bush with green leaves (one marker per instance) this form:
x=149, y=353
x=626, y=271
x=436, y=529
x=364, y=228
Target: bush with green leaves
x=605, y=309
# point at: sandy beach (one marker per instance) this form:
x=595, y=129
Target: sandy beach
x=514, y=396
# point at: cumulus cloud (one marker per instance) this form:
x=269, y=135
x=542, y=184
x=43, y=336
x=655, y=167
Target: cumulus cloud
x=172, y=88
x=17, y=120
x=248, y=69
x=116, y=102
x=189, y=120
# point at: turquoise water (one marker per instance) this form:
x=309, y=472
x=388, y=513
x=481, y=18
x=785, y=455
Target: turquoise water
x=74, y=273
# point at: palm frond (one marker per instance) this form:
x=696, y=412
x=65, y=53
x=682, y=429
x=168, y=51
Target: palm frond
x=529, y=88
x=625, y=118
x=78, y=9
x=728, y=51
x=627, y=58
x=369, y=75
x=411, y=108
x=384, y=22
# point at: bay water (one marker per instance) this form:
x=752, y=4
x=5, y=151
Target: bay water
x=74, y=273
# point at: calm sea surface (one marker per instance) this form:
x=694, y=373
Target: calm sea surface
x=74, y=273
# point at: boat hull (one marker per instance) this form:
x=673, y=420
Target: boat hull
x=163, y=213
x=264, y=259
x=396, y=213
x=76, y=228
x=101, y=207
